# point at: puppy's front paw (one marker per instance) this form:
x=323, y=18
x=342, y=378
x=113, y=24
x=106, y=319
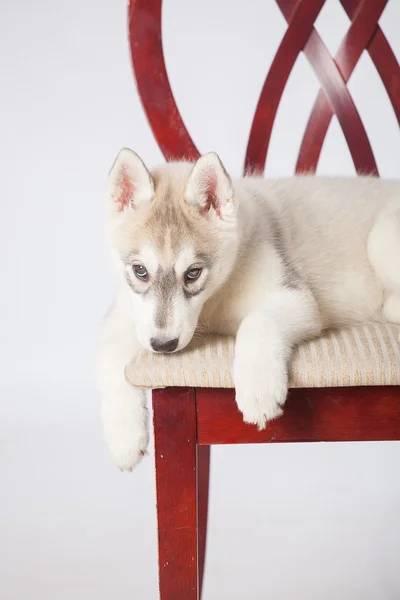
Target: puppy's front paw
x=261, y=390
x=125, y=425
x=127, y=447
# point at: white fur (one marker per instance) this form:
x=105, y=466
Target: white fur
x=295, y=256
x=264, y=342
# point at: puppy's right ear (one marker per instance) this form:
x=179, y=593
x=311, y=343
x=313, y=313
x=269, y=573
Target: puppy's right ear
x=130, y=184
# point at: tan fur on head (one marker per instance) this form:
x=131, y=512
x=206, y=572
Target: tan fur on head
x=179, y=216
x=168, y=221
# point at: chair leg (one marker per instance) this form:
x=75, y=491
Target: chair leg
x=203, y=482
x=175, y=436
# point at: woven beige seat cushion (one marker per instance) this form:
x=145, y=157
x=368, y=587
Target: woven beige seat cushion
x=364, y=355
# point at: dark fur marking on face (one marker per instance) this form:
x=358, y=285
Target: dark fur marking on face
x=204, y=259
x=134, y=287
x=165, y=287
x=189, y=294
x=192, y=290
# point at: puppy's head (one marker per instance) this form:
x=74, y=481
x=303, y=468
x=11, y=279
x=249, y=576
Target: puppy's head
x=173, y=234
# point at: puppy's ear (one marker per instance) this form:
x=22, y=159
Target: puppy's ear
x=130, y=184
x=209, y=187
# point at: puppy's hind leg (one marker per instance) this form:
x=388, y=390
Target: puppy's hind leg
x=384, y=254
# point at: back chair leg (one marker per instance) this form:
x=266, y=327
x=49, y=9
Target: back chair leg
x=175, y=436
x=203, y=483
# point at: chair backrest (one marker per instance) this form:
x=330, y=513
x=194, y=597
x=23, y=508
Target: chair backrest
x=333, y=73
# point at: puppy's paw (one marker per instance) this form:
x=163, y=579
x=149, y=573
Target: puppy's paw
x=261, y=390
x=125, y=426
x=127, y=447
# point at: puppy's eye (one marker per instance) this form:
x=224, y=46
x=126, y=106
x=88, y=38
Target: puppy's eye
x=192, y=274
x=140, y=272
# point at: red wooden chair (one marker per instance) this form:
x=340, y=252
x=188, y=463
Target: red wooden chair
x=189, y=415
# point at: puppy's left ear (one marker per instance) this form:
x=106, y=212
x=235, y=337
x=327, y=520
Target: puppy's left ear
x=209, y=187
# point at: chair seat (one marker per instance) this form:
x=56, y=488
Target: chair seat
x=362, y=355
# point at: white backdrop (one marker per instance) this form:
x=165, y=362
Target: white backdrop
x=296, y=521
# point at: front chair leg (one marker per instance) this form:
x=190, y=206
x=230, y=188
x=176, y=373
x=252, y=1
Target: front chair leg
x=175, y=437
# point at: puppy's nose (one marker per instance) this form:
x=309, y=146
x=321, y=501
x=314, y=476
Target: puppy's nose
x=164, y=346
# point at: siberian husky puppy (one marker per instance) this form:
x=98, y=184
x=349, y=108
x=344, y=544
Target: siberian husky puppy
x=272, y=262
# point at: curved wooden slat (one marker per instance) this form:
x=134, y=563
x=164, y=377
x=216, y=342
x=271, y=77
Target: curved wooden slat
x=343, y=106
x=356, y=40
x=334, y=87
x=300, y=26
x=383, y=58
x=388, y=68
x=152, y=81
